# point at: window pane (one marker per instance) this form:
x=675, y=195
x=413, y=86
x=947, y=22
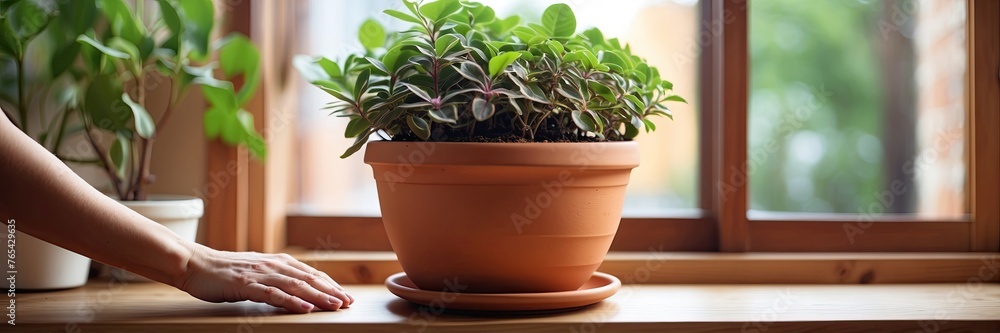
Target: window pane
x=858, y=106
x=663, y=31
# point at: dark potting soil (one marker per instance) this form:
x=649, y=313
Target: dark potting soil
x=551, y=133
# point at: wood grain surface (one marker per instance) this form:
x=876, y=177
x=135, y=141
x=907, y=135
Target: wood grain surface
x=102, y=306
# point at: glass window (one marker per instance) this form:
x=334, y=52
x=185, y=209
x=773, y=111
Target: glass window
x=858, y=106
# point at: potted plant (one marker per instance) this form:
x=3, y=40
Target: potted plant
x=23, y=62
x=112, y=62
x=506, y=147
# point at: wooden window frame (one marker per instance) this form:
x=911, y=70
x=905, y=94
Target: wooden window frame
x=249, y=213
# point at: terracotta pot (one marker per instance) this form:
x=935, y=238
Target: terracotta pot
x=501, y=217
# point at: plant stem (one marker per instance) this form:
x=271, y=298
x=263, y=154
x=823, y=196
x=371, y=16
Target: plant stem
x=43, y=105
x=116, y=182
x=77, y=160
x=139, y=186
x=22, y=103
x=434, y=75
x=62, y=128
x=175, y=96
x=139, y=192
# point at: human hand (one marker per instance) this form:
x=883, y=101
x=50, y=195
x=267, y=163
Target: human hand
x=275, y=279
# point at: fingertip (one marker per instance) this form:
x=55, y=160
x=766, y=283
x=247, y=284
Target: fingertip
x=336, y=303
x=305, y=307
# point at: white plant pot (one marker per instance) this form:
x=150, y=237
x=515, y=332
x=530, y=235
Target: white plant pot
x=178, y=213
x=43, y=266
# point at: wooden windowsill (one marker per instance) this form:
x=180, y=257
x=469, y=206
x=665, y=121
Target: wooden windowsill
x=373, y=267
x=102, y=306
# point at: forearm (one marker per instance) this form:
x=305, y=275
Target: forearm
x=51, y=202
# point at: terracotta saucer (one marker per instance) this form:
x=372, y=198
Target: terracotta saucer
x=599, y=287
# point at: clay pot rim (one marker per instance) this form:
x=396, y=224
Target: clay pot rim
x=618, y=154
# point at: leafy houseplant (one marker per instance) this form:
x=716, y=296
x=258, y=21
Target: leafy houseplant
x=128, y=55
x=508, y=194
x=114, y=60
x=113, y=55
x=476, y=77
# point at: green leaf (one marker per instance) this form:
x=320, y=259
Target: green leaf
x=122, y=21
x=27, y=19
x=396, y=58
x=595, y=36
x=501, y=61
x=334, y=90
x=616, y=58
x=382, y=69
x=402, y=16
x=256, y=145
x=315, y=69
x=238, y=56
x=143, y=121
x=170, y=17
x=124, y=46
x=213, y=121
x=10, y=44
x=482, y=109
x=84, y=16
x=246, y=120
x=119, y=153
x=635, y=103
x=473, y=72
x=417, y=91
x=592, y=59
x=173, y=21
x=447, y=114
x=603, y=91
x=540, y=31
x=233, y=131
x=361, y=84
x=419, y=126
x=631, y=130
x=481, y=14
x=503, y=26
x=584, y=121
x=104, y=104
x=649, y=125
x=636, y=121
x=220, y=94
x=569, y=91
x=358, y=143
x=371, y=35
x=330, y=67
x=64, y=58
x=440, y=9
x=445, y=44
x=676, y=98
x=356, y=126
x=555, y=46
x=524, y=34
x=111, y=52
x=559, y=20
x=92, y=57
x=531, y=91
x=199, y=18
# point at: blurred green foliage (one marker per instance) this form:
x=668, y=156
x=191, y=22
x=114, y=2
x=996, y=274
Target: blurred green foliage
x=816, y=105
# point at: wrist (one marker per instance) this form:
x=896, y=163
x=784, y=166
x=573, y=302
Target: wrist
x=187, y=254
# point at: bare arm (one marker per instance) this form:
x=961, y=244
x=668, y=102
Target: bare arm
x=51, y=202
